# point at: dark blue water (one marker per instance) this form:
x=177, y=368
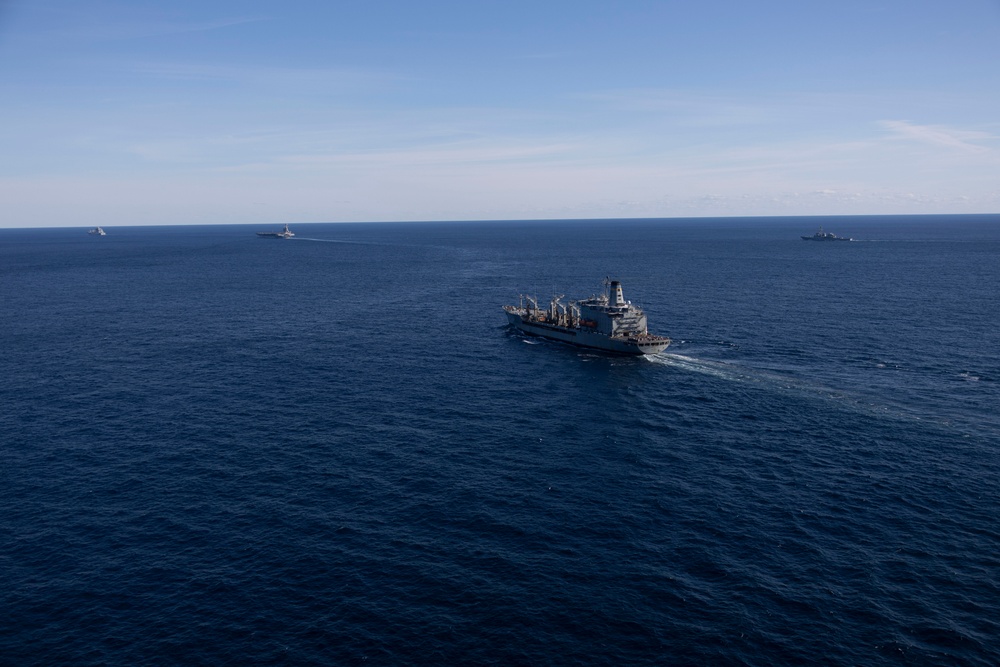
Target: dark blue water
x=223, y=450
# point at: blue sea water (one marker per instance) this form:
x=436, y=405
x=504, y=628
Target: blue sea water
x=219, y=449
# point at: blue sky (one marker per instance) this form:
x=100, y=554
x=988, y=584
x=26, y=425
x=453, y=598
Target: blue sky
x=256, y=111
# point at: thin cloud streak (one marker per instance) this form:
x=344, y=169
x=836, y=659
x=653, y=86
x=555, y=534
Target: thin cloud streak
x=139, y=28
x=300, y=78
x=937, y=135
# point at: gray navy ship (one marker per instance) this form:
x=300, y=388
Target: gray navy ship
x=283, y=234
x=825, y=236
x=604, y=322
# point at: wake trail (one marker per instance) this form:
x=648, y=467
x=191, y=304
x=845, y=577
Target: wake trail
x=720, y=369
x=855, y=401
x=303, y=238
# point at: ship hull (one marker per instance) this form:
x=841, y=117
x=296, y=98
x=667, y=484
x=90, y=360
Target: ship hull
x=632, y=346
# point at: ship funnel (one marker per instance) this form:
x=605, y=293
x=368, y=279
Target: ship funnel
x=617, y=300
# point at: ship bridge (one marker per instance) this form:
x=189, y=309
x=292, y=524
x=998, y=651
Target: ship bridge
x=611, y=314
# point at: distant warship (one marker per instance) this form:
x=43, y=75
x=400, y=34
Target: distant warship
x=603, y=322
x=825, y=236
x=283, y=234
x=97, y=231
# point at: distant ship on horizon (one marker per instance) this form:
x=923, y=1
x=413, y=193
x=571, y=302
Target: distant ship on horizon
x=97, y=231
x=283, y=234
x=825, y=236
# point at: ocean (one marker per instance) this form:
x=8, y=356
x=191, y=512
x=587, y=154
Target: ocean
x=218, y=449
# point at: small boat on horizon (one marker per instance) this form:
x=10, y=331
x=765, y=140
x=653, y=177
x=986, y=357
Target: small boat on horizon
x=825, y=236
x=97, y=231
x=283, y=234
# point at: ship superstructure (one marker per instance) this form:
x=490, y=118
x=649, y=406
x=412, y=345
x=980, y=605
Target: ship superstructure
x=604, y=322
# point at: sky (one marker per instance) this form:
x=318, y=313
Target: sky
x=144, y=112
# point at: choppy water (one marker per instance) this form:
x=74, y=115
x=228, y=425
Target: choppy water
x=219, y=449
